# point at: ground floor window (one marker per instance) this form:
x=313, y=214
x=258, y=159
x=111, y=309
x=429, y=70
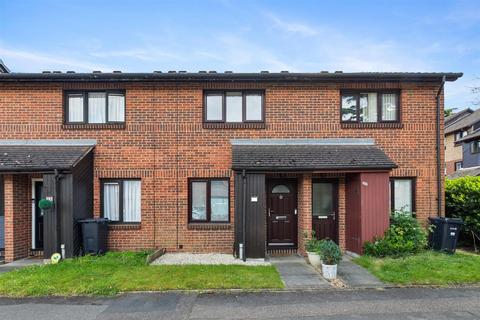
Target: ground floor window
x=208, y=200
x=121, y=199
x=402, y=194
x=458, y=165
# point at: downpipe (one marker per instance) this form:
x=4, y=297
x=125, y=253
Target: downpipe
x=439, y=165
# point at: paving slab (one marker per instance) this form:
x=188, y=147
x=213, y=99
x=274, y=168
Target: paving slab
x=297, y=274
x=18, y=264
x=355, y=276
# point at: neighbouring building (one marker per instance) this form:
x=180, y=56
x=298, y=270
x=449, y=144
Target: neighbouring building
x=204, y=162
x=459, y=128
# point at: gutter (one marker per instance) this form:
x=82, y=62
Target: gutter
x=439, y=165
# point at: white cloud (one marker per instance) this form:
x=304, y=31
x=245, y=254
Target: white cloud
x=291, y=27
x=29, y=61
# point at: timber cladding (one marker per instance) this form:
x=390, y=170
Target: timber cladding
x=164, y=142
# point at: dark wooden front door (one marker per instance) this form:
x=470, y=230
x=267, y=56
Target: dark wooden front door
x=282, y=213
x=38, y=223
x=325, y=209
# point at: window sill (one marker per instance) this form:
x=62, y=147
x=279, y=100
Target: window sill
x=242, y=125
x=209, y=226
x=124, y=226
x=374, y=125
x=93, y=126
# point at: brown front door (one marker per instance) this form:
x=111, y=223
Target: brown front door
x=325, y=209
x=282, y=213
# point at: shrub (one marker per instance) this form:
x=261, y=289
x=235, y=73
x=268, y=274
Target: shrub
x=311, y=242
x=404, y=236
x=462, y=200
x=329, y=252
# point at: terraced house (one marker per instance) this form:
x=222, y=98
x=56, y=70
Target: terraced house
x=214, y=162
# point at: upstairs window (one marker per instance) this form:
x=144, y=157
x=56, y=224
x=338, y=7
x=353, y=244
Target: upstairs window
x=234, y=106
x=94, y=107
x=460, y=134
x=475, y=146
x=370, y=106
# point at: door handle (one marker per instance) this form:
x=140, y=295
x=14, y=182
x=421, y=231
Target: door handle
x=333, y=215
x=269, y=212
x=295, y=212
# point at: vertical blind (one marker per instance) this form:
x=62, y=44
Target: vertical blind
x=96, y=107
x=199, y=200
x=253, y=110
x=219, y=200
x=234, y=107
x=116, y=107
x=214, y=107
x=75, y=108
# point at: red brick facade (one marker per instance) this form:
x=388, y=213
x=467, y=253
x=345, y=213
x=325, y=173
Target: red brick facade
x=164, y=142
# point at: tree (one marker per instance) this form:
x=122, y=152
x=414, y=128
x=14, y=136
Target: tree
x=449, y=111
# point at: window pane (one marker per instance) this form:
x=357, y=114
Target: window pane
x=254, y=107
x=234, y=107
x=111, y=200
x=132, y=198
x=116, y=107
x=75, y=108
x=349, y=108
x=219, y=200
x=96, y=107
x=403, y=195
x=281, y=188
x=199, y=200
x=322, y=199
x=474, y=146
x=368, y=107
x=214, y=107
x=389, y=107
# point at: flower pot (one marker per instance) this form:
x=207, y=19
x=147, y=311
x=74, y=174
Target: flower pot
x=329, y=271
x=314, y=259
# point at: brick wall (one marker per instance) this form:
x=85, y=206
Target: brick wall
x=18, y=218
x=164, y=143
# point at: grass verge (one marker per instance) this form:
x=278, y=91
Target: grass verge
x=426, y=268
x=126, y=271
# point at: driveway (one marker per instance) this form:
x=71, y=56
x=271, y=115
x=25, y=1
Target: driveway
x=389, y=304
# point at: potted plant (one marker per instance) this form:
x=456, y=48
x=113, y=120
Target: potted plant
x=311, y=247
x=330, y=255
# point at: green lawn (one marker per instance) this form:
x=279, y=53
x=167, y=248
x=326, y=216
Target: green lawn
x=427, y=268
x=127, y=271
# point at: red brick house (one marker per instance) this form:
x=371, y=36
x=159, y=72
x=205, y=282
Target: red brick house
x=203, y=162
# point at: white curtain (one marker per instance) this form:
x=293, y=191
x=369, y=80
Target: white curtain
x=368, y=107
x=132, y=199
x=234, y=107
x=214, y=107
x=254, y=107
x=75, y=108
x=111, y=201
x=403, y=195
x=96, y=107
x=116, y=107
x=219, y=200
x=389, y=107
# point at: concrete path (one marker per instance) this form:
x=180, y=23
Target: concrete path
x=297, y=274
x=355, y=276
x=20, y=264
x=389, y=304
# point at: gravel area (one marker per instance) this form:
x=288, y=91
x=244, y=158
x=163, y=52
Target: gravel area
x=206, y=258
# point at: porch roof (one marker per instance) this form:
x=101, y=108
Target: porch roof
x=42, y=155
x=308, y=155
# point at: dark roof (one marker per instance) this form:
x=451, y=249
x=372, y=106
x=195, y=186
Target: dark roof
x=465, y=172
x=3, y=67
x=464, y=123
x=457, y=116
x=309, y=157
x=212, y=76
x=40, y=158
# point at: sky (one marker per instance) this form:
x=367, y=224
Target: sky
x=247, y=36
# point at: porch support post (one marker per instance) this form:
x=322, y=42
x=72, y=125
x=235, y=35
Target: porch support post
x=17, y=217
